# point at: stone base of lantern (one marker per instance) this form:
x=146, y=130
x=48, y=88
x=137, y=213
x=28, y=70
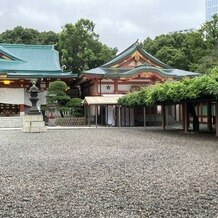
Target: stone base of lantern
x=33, y=123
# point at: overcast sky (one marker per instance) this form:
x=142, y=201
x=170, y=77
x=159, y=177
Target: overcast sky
x=118, y=22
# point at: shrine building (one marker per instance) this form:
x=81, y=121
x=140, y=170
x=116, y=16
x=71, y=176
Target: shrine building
x=19, y=65
x=128, y=71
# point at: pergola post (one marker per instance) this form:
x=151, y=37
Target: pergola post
x=101, y=114
x=209, y=116
x=185, y=117
x=164, y=117
x=86, y=113
x=88, y=108
x=144, y=115
x=96, y=116
x=119, y=111
x=216, y=114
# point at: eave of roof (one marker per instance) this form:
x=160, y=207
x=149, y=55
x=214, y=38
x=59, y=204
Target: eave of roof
x=41, y=74
x=125, y=72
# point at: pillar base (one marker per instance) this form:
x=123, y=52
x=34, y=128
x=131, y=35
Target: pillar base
x=33, y=123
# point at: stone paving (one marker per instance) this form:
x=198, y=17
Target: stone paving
x=108, y=172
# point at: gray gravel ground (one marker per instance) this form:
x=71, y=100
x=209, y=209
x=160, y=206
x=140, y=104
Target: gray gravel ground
x=108, y=172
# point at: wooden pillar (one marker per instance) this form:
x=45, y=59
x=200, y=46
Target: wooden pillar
x=22, y=109
x=202, y=114
x=175, y=115
x=101, y=114
x=119, y=109
x=185, y=117
x=164, y=117
x=95, y=86
x=96, y=116
x=209, y=116
x=107, y=115
x=144, y=116
x=115, y=86
x=86, y=113
x=89, y=117
x=216, y=114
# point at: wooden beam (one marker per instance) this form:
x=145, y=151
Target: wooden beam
x=101, y=114
x=216, y=118
x=186, y=117
x=164, y=117
x=96, y=116
x=144, y=116
x=89, y=117
x=86, y=113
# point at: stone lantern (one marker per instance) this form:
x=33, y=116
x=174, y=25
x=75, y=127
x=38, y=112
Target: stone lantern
x=33, y=121
x=34, y=98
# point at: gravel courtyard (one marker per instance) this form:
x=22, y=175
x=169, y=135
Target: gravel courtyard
x=108, y=172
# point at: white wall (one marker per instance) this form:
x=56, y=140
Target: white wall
x=124, y=87
x=104, y=88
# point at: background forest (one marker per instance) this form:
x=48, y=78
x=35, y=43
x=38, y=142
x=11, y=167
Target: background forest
x=80, y=48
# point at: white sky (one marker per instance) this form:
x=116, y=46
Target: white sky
x=118, y=22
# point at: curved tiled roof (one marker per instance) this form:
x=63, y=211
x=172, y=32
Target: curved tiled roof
x=28, y=60
x=108, y=70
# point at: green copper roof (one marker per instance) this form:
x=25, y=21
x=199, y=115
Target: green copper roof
x=107, y=70
x=124, y=72
x=30, y=60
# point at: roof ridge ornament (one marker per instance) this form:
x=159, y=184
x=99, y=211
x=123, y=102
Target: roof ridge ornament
x=136, y=42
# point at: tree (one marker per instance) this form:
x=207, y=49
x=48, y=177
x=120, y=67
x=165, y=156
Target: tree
x=173, y=57
x=28, y=36
x=209, y=33
x=57, y=96
x=80, y=47
x=195, y=51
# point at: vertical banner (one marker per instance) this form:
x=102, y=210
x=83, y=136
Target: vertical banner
x=110, y=116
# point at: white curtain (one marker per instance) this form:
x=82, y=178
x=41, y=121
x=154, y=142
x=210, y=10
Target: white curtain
x=19, y=96
x=12, y=96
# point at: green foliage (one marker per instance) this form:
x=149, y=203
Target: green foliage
x=28, y=36
x=174, y=91
x=75, y=105
x=75, y=102
x=57, y=95
x=194, y=51
x=80, y=47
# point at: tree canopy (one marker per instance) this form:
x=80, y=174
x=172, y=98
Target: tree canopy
x=194, y=51
x=28, y=36
x=80, y=47
x=78, y=44
x=57, y=96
